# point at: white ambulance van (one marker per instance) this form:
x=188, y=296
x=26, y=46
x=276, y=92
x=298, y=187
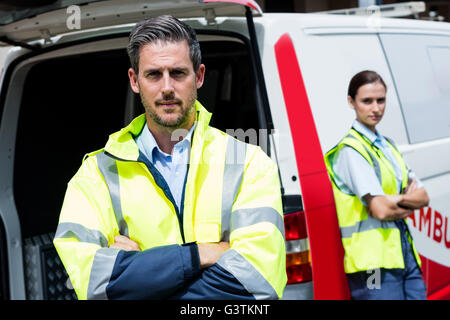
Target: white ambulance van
x=64, y=89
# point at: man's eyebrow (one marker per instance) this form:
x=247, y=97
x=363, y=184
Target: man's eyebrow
x=146, y=72
x=170, y=69
x=151, y=70
x=179, y=69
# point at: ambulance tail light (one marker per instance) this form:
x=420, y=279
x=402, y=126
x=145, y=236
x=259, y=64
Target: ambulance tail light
x=298, y=257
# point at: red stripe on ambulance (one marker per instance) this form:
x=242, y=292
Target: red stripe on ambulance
x=329, y=280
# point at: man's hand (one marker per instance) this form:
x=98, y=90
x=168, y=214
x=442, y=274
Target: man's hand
x=211, y=252
x=124, y=243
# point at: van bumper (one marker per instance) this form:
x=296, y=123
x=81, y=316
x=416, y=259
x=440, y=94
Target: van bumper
x=298, y=291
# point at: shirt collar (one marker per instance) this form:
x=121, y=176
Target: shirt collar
x=369, y=134
x=150, y=145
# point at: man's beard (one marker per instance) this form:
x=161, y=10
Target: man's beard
x=180, y=120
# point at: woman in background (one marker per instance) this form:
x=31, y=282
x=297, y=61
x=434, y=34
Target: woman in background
x=374, y=192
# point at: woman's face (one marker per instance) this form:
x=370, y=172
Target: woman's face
x=369, y=104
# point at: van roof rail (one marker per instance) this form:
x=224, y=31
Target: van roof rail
x=385, y=10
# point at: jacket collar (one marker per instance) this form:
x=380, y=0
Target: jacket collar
x=121, y=144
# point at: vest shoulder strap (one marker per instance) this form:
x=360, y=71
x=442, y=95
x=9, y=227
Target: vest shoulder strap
x=398, y=155
x=355, y=143
x=392, y=143
x=354, y=140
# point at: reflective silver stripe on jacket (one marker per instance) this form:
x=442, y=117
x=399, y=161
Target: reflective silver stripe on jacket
x=366, y=225
x=83, y=234
x=104, y=258
x=247, y=217
x=247, y=275
x=108, y=169
x=232, y=179
x=101, y=271
x=376, y=164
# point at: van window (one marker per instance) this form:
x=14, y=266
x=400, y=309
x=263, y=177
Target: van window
x=420, y=66
x=229, y=88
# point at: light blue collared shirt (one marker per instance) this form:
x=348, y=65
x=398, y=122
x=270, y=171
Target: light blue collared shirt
x=354, y=175
x=172, y=167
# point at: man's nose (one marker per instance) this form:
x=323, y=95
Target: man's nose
x=167, y=84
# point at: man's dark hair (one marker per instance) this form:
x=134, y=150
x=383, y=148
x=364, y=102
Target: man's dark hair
x=362, y=78
x=162, y=28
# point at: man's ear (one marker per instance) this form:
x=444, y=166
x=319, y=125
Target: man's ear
x=200, y=76
x=133, y=80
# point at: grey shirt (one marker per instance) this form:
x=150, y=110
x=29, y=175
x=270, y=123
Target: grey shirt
x=354, y=175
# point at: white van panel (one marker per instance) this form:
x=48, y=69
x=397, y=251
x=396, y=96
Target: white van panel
x=430, y=227
x=328, y=62
x=429, y=159
x=420, y=65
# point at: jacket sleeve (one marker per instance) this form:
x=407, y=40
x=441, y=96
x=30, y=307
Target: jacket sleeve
x=255, y=265
x=87, y=225
x=215, y=283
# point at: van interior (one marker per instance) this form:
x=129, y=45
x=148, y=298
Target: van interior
x=69, y=106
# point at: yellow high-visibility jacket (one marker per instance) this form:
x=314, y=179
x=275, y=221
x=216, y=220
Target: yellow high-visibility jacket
x=369, y=243
x=231, y=193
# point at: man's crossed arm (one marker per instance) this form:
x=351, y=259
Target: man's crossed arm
x=209, y=253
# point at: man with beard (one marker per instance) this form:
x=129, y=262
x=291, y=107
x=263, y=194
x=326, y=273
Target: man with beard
x=172, y=208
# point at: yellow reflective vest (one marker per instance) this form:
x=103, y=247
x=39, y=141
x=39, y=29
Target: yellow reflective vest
x=231, y=193
x=369, y=243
